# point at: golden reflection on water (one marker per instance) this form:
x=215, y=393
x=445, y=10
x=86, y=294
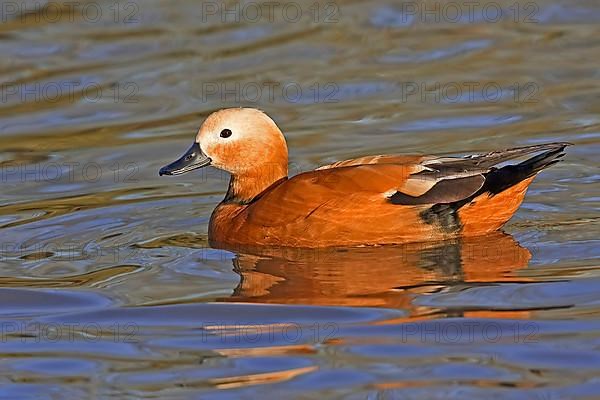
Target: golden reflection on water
x=388, y=276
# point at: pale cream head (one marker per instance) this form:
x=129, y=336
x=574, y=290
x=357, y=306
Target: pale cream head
x=242, y=141
x=255, y=142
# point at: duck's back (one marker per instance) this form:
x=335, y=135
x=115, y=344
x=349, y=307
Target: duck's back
x=386, y=200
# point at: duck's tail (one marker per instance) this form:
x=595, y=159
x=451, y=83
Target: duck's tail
x=501, y=179
x=504, y=189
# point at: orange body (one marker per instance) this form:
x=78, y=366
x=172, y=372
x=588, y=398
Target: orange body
x=488, y=213
x=347, y=207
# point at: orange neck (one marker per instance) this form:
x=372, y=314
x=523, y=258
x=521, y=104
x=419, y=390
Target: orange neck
x=245, y=187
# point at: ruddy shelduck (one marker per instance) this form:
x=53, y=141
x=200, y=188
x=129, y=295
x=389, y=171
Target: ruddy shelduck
x=372, y=200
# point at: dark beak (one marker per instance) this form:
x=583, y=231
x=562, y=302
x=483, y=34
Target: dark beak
x=192, y=159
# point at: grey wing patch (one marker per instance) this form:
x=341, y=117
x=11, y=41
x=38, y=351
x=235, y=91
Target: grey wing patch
x=440, y=180
x=443, y=180
x=443, y=192
x=446, y=175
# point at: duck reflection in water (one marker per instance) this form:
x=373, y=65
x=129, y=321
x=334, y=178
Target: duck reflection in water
x=386, y=276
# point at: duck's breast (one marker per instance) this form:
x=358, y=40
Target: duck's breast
x=341, y=206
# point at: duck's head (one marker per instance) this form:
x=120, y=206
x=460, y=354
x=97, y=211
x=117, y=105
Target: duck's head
x=242, y=141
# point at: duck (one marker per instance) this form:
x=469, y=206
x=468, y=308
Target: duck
x=372, y=200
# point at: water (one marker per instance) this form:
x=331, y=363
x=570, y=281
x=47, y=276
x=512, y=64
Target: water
x=108, y=285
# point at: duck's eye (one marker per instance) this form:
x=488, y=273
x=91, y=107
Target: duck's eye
x=225, y=133
x=190, y=156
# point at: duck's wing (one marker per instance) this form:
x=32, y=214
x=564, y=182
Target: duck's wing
x=379, y=159
x=451, y=179
x=399, y=180
x=421, y=177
